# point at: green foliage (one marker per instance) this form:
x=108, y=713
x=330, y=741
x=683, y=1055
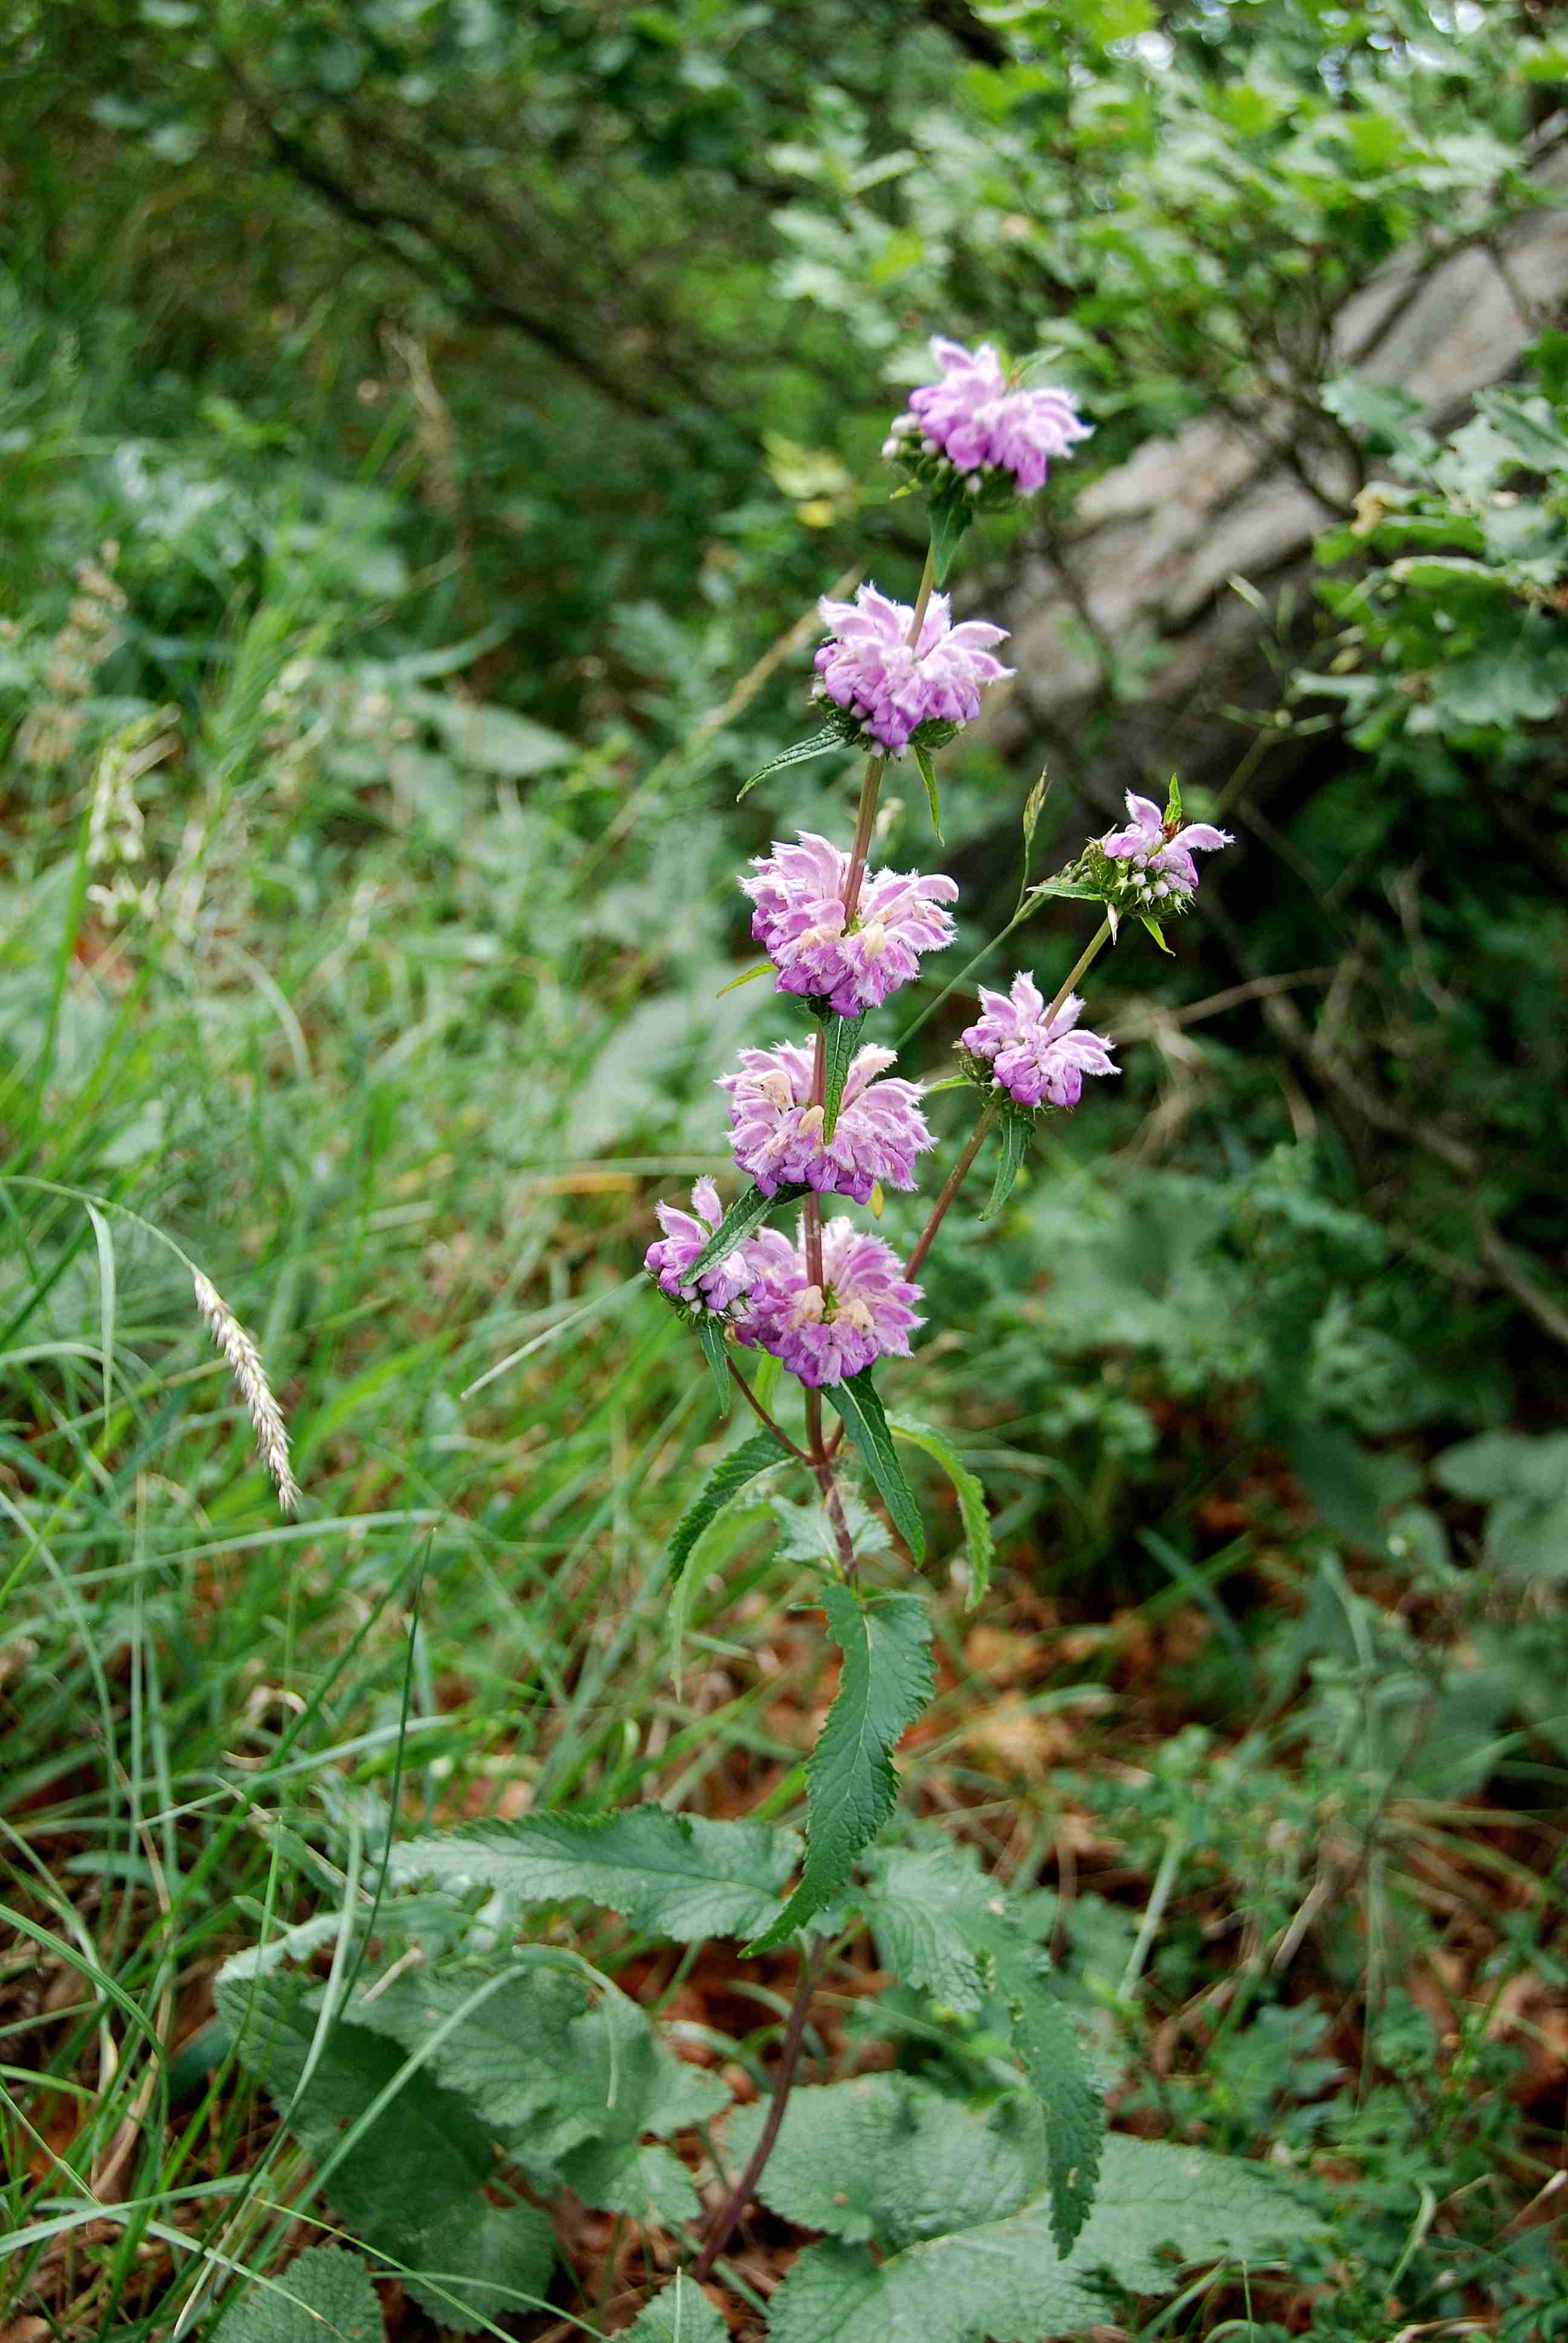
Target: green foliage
x=851, y=1783
x=726, y=1481
x=679, y=2313
x=408, y=2183
x=743, y=1218
x=324, y=2296
x=1523, y=1482
x=952, y=2202
x=940, y=1925
x=856, y=1399
x=933, y=794
x=820, y=744
x=841, y=1036
x=672, y=1875
x=1013, y=1132
x=980, y=1547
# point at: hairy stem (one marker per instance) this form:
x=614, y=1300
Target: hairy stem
x=726, y=2220
x=954, y=1181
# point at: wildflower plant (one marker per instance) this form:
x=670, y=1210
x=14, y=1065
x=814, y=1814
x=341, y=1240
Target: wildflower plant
x=937, y=2215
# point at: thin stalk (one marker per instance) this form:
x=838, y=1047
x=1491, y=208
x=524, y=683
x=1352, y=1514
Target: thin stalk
x=1087, y=953
x=762, y=1413
x=955, y=1181
x=965, y=972
x=726, y=2219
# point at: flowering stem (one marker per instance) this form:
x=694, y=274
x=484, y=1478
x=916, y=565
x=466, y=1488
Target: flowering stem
x=760, y=1412
x=955, y=1180
x=1090, y=949
x=726, y=2220
x=964, y=973
x=876, y=766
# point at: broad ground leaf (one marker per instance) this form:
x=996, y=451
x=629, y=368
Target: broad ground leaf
x=851, y=1783
x=992, y=2277
x=840, y=1037
x=743, y=1218
x=941, y=1924
x=1014, y=1135
x=671, y=1875
x=681, y=2314
x=857, y=1401
x=729, y=1476
x=411, y=2183
x=979, y=1542
x=564, y=2071
x=325, y=2295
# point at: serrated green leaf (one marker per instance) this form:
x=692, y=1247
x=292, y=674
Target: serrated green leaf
x=851, y=1786
x=325, y=2295
x=818, y=745
x=710, y=1334
x=729, y=1475
x=933, y=796
x=840, y=1038
x=1077, y=891
x=858, y=1401
x=672, y=1875
x=888, y=2158
x=942, y=1924
x=681, y=2314
x=950, y=515
x=1014, y=1134
x=979, y=1544
x=413, y=2183
x=745, y=1216
x=1002, y=2277
x=566, y=2073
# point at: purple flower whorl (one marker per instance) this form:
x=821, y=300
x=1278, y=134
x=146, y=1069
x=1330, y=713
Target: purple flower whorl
x=864, y=1309
x=887, y=689
x=972, y=424
x=777, y=1131
x=799, y=892
x=1157, y=873
x=670, y=1257
x=1037, y=1061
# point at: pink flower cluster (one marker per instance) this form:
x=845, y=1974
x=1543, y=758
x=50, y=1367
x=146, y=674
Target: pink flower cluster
x=981, y=425
x=888, y=684
x=685, y=1233
x=799, y=893
x=1159, y=868
x=1036, y=1059
x=864, y=1309
x=775, y=1129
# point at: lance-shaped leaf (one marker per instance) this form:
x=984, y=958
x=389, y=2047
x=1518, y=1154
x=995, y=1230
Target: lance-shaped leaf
x=729, y=1476
x=672, y=1875
x=979, y=1544
x=841, y=1038
x=818, y=745
x=858, y=1402
x=745, y=1216
x=933, y=796
x=950, y=515
x=710, y=1334
x=1077, y=891
x=1158, y=933
x=942, y=1924
x=1015, y=1134
x=851, y=1786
